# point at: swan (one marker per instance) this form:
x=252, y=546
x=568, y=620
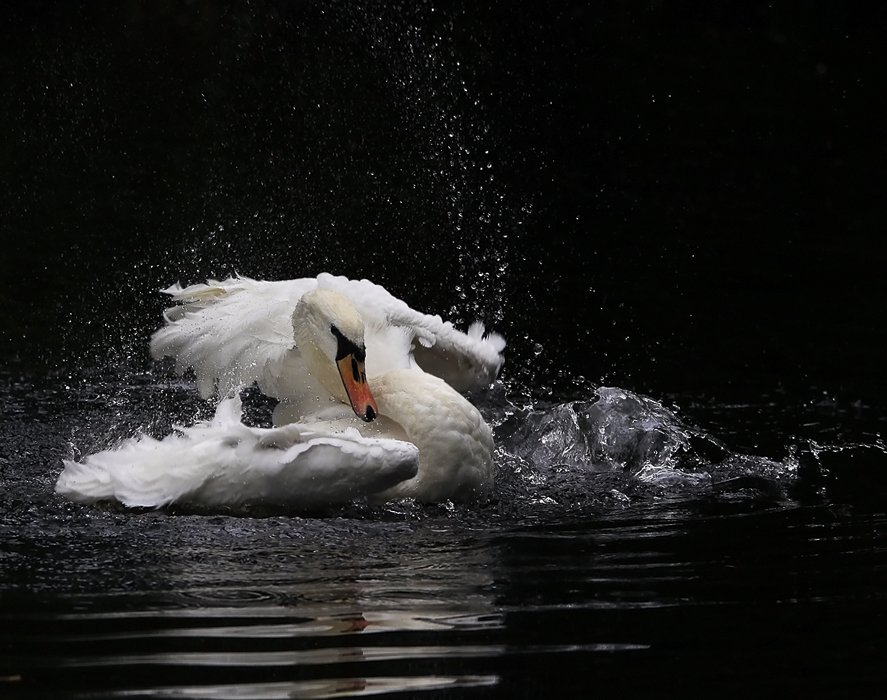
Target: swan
x=348, y=362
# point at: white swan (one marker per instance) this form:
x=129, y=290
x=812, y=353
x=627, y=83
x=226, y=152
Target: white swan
x=305, y=342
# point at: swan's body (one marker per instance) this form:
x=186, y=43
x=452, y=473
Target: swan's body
x=455, y=443
x=304, y=342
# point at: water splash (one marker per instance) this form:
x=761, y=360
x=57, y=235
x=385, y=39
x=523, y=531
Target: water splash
x=620, y=448
x=376, y=158
x=554, y=460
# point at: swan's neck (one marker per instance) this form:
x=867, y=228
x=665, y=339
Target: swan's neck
x=455, y=443
x=317, y=362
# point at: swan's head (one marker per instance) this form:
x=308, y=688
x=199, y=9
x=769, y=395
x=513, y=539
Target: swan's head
x=329, y=333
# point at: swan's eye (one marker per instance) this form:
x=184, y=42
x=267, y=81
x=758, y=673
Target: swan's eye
x=346, y=347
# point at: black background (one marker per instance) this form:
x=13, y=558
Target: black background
x=671, y=197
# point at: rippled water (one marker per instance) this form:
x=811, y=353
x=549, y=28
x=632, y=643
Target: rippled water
x=626, y=550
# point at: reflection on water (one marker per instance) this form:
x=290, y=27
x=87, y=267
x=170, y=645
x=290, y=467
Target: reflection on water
x=512, y=610
x=344, y=607
x=620, y=538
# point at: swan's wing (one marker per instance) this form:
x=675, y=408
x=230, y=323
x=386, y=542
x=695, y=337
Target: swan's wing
x=223, y=463
x=239, y=331
x=233, y=333
x=466, y=361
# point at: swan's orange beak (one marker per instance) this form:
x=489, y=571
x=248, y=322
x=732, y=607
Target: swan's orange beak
x=355, y=380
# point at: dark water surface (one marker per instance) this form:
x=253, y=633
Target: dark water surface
x=624, y=552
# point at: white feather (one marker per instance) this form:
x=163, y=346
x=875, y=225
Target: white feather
x=234, y=333
x=225, y=463
x=239, y=331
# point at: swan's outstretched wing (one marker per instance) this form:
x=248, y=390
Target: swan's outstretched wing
x=233, y=333
x=466, y=361
x=239, y=331
x=223, y=463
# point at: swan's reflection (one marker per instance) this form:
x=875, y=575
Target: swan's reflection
x=379, y=607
